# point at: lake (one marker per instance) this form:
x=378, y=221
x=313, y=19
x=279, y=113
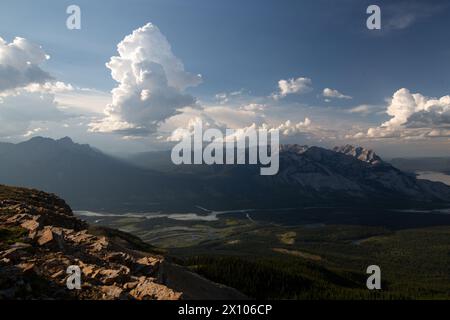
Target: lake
x=434, y=176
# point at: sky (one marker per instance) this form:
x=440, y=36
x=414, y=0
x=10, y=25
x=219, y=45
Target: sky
x=139, y=71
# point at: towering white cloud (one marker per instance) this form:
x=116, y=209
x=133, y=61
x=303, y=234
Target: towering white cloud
x=151, y=83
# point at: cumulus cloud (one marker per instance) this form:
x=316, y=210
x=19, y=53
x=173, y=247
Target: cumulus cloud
x=32, y=132
x=417, y=110
x=151, y=83
x=27, y=92
x=293, y=86
x=50, y=87
x=334, y=94
x=241, y=120
x=286, y=129
x=221, y=117
x=289, y=129
x=413, y=115
x=20, y=64
x=188, y=129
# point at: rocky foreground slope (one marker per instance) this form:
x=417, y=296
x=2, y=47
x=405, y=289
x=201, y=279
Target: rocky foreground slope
x=40, y=238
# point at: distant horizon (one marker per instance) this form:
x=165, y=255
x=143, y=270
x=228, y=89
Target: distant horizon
x=168, y=149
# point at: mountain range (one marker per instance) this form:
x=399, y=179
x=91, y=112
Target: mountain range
x=309, y=176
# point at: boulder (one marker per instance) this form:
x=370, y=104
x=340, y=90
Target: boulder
x=148, y=265
x=51, y=235
x=26, y=266
x=119, y=257
x=113, y=293
x=110, y=276
x=148, y=290
x=32, y=225
x=100, y=245
x=45, y=237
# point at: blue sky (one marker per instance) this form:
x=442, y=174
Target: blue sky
x=249, y=46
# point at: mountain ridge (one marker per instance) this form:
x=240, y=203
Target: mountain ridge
x=90, y=179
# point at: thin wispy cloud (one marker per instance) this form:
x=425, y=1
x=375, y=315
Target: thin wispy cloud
x=399, y=15
x=334, y=94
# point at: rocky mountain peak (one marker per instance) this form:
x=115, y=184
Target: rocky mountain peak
x=360, y=153
x=65, y=140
